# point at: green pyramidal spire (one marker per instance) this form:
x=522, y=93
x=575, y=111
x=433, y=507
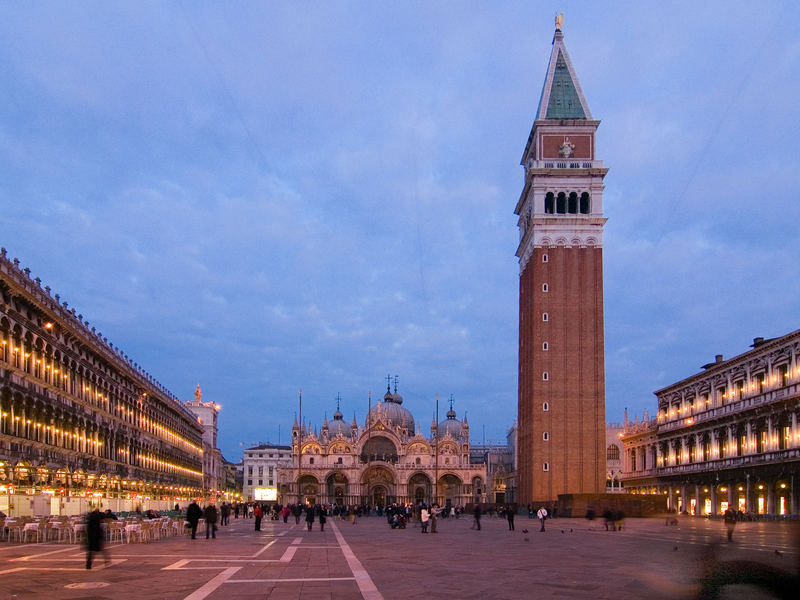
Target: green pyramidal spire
x=562, y=97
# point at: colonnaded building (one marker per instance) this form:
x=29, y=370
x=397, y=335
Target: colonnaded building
x=80, y=422
x=387, y=460
x=725, y=437
x=561, y=410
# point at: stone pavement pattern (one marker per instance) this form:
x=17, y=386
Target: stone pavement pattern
x=573, y=558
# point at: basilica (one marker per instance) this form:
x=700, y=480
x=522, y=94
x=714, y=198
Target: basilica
x=384, y=461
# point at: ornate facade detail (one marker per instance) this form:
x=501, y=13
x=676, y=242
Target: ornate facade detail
x=385, y=461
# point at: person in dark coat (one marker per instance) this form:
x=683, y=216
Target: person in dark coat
x=224, y=513
x=297, y=510
x=210, y=514
x=322, y=517
x=193, y=514
x=730, y=522
x=94, y=536
x=476, y=513
x=309, y=516
x=510, y=516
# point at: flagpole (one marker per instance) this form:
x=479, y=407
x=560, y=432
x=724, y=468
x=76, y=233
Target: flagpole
x=299, y=441
x=436, y=459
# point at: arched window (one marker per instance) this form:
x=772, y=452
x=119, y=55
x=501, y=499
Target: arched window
x=545, y=346
x=572, y=207
x=545, y=317
x=545, y=406
x=546, y=436
x=561, y=203
x=585, y=206
x=545, y=287
x=546, y=466
x=311, y=460
x=544, y=258
x=549, y=203
x=612, y=452
x=545, y=376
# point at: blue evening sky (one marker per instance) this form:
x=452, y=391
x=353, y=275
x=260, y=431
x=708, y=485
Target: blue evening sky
x=266, y=196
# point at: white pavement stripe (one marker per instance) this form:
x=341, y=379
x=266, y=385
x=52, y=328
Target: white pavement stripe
x=295, y=580
x=288, y=555
x=264, y=548
x=365, y=585
x=35, y=556
x=212, y=585
x=174, y=566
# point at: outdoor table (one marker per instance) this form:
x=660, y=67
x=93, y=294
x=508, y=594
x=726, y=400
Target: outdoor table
x=131, y=529
x=31, y=527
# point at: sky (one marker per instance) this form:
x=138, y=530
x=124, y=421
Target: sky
x=262, y=197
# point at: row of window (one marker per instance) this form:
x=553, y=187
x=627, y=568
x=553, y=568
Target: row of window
x=562, y=203
x=271, y=455
x=759, y=383
x=260, y=482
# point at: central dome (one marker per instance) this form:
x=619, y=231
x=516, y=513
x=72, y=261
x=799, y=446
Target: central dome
x=392, y=408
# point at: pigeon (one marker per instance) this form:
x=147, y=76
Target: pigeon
x=524, y=531
x=570, y=530
x=778, y=552
x=527, y=539
x=562, y=531
x=675, y=549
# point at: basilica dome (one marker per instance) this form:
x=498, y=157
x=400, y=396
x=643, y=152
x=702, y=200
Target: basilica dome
x=339, y=426
x=392, y=409
x=451, y=425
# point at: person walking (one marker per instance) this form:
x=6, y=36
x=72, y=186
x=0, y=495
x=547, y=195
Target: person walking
x=424, y=517
x=94, y=536
x=322, y=518
x=730, y=522
x=297, y=511
x=258, y=514
x=225, y=513
x=510, y=516
x=210, y=514
x=476, y=512
x=193, y=514
x=435, y=510
x=541, y=514
x=309, y=517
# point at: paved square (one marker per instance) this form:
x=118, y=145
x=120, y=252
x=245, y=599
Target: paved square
x=573, y=558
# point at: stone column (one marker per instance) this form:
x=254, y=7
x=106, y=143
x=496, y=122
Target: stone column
x=713, y=491
x=670, y=499
x=698, y=505
x=684, y=499
x=771, y=500
x=732, y=496
x=748, y=494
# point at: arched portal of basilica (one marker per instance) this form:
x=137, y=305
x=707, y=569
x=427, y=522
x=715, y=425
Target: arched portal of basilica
x=384, y=461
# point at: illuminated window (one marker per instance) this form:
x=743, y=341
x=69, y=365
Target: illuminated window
x=544, y=258
x=612, y=452
x=546, y=436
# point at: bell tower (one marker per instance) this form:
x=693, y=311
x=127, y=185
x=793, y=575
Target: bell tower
x=561, y=396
